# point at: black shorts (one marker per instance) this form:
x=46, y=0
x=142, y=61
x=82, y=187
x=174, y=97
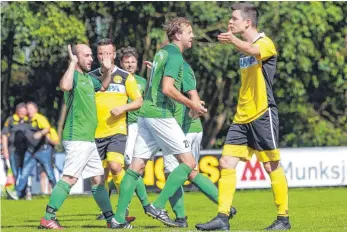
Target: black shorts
x=113, y=143
x=260, y=135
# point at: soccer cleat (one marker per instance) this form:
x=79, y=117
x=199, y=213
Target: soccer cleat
x=182, y=222
x=281, y=223
x=221, y=222
x=161, y=215
x=113, y=224
x=233, y=212
x=52, y=224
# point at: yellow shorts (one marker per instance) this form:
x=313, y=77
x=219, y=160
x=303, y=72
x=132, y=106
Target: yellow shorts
x=113, y=157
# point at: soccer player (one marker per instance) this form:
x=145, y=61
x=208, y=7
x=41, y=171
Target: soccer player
x=158, y=128
x=112, y=108
x=128, y=61
x=82, y=157
x=255, y=126
x=192, y=128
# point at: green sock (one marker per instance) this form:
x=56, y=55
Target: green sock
x=141, y=192
x=175, y=180
x=127, y=188
x=59, y=193
x=111, y=187
x=102, y=200
x=177, y=203
x=206, y=187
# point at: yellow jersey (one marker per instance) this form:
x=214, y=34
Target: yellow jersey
x=122, y=87
x=257, y=74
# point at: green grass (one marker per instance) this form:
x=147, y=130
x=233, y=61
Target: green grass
x=323, y=209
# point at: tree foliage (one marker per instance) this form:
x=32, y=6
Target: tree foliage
x=310, y=85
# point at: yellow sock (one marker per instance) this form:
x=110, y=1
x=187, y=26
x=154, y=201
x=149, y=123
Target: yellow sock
x=280, y=191
x=117, y=179
x=227, y=186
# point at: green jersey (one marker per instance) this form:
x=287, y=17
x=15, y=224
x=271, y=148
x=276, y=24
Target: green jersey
x=81, y=119
x=141, y=83
x=167, y=62
x=189, y=83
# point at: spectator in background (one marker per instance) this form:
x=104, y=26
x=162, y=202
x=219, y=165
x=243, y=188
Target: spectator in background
x=13, y=139
x=41, y=138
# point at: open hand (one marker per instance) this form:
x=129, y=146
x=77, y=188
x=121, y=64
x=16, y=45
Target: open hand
x=72, y=56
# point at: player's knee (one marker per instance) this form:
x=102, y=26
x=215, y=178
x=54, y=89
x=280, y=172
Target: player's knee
x=193, y=174
x=70, y=180
x=97, y=180
x=138, y=165
x=228, y=162
x=115, y=168
x=271, y=166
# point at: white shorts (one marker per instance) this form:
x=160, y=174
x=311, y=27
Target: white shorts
x=159, y=133
x=129, y=149
x=194, y=139
x=82, y=159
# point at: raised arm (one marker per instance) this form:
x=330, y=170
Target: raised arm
x=66, y=83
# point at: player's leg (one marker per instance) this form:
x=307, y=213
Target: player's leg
x=76, y=159
x=144, y=148
x=265, y=133
x=28, y=166
x=176, y=200
x=45, y=158
x=234, y=150
x=140, y=190
x=171, y=140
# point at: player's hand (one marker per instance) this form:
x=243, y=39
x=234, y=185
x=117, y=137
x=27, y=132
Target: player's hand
x=37, y=135
x=106, y=62
x=6, y=154
x=226, y=37
x=117, y=111
x=148, y=64
x=198, y=107
x=72, y=57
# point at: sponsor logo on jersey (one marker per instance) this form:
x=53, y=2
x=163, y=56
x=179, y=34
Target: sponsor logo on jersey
x=248, y=61
x=117, y=79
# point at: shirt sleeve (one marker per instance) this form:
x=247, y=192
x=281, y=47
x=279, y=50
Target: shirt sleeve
x=53, y=135
x=43, y=122
x=266, y=47
x=189, y=81
x=132, y=88
x=97, y=83
x=6, y=128
x=173, y=66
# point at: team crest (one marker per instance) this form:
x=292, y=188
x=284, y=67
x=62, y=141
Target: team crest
x=117, y=79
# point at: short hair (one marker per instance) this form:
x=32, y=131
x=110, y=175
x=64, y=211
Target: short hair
x=175, y=26
x=127, y=51
x=20, y=105
x=33, y=103
x=106, y=41
x=248, y=11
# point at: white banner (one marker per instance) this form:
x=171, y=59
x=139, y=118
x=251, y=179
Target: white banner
x=304, y=167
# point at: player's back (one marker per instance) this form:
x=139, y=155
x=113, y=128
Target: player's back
x=168, y=61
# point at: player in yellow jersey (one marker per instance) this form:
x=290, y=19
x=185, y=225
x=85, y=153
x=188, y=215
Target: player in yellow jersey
x=112, y=107
x=256, y=125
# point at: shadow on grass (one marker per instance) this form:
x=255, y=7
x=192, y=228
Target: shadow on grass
x=93, y=226
x=25, y=226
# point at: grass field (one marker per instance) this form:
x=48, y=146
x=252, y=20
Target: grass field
x=323, y=209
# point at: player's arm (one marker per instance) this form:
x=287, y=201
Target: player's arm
x=66, y=82
x=52, y=137
x=170, y=91
x=243, y=46
x=133, y=93
x=4, y=136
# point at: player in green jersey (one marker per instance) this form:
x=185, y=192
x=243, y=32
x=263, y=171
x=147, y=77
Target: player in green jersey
x=82, y=158
x=158, y=128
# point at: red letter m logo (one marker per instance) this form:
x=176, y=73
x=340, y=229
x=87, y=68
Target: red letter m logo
x=252, y=170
